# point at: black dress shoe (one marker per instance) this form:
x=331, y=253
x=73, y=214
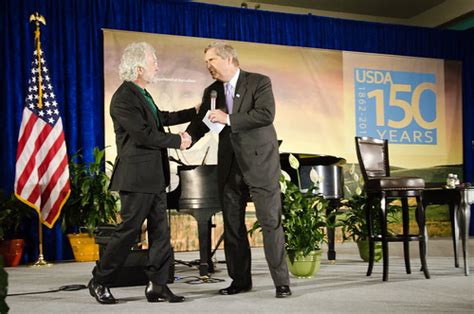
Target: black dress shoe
x=283, y=291
x=234, y=290
x=101, y=293
x=161, y=293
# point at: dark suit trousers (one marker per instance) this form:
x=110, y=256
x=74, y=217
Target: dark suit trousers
x=136, y=207
x=236, y=245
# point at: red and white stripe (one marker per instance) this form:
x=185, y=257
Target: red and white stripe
x=42, y=174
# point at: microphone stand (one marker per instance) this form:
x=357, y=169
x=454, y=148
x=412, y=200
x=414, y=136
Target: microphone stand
x=205, y=156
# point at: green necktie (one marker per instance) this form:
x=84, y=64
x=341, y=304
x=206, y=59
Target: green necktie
x=152, y=106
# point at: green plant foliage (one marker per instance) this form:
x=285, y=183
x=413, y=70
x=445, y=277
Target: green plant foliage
x=304, y=219
x=353, y=220
x=91, y=202
x=12, y=213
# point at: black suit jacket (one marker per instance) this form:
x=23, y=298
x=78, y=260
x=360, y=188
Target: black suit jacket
x=142, y=159
x=251, y=136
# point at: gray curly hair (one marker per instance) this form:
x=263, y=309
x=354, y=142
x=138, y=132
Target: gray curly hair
x=134, y=55
x=224, y=50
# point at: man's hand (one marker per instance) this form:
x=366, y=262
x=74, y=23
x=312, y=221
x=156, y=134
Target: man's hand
x=185, y=140
x=218, y=116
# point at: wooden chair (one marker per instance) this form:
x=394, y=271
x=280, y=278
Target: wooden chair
x=380, y=187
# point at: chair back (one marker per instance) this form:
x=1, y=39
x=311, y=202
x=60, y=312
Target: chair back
x=373, y=157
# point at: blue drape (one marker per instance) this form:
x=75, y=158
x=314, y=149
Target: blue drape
x=72, y=40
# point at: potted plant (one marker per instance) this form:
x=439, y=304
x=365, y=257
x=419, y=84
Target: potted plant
x=12, y=213
x=304, y=223
x=353, y=217
x=90, y=203
x=354, y=226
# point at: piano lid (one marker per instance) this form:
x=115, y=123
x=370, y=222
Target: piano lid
x=315, y=159
x=329, y=169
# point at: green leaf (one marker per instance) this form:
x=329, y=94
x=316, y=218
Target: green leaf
x=91, y=202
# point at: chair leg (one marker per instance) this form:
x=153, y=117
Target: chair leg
x=406, y=232
x=383, y=226
x=370, y=236
x=423, y=235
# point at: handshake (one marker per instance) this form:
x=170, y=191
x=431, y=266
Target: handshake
x=186, y=140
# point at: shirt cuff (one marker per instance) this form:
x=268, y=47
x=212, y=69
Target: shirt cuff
x=228, y=119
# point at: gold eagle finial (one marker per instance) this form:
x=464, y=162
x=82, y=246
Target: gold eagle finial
x=37, y=18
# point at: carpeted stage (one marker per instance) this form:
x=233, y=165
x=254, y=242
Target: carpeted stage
x=338, y=288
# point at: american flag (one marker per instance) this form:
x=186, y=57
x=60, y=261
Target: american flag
x=42, y=173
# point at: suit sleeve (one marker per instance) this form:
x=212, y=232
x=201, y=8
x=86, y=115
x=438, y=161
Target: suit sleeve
x=262, y=108
x=177, y=117
x=133, y=120
x=197, y=128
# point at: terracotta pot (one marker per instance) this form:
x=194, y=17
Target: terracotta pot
x=84, y=247
x=11, y=250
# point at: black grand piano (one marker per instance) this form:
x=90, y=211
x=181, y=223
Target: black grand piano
x=197, y=195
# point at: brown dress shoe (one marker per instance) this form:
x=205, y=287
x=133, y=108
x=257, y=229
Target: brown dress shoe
x=100, y=292
x=161, y=293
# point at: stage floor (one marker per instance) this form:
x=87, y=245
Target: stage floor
x=342, y=287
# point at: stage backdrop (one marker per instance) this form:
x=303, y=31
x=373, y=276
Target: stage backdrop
x=324, y=98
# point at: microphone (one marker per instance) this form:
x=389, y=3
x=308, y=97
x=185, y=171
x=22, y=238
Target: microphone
x=213, y=99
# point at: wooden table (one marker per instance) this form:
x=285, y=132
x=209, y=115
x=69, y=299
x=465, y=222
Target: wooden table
x=459, y=200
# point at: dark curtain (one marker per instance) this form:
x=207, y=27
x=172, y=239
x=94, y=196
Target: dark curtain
x=72, y=40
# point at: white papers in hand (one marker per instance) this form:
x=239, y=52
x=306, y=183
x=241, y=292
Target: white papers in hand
x=214, y=127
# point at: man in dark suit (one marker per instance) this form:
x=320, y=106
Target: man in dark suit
x=141, y=174
x=248, y=162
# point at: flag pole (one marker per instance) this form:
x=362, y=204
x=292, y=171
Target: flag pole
x=37, y=18
x=41, y=261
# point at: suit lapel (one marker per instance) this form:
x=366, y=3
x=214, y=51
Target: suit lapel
x=144, y=102
x=240, y=91
x=221, y=100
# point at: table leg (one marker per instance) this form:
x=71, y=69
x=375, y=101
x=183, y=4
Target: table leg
x=464, y=215
x=453, y=215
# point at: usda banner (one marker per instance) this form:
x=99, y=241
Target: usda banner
x=395, y=105
x=414, y=103
x=324, y=98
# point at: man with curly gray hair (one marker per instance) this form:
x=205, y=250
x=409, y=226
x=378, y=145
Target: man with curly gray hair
x=141, y=174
